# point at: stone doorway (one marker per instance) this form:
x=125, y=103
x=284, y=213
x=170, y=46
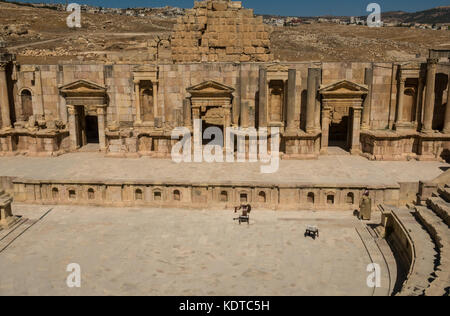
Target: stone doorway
x=342, y=104
x=87, y=134
x=86, y=106
x=339, y=133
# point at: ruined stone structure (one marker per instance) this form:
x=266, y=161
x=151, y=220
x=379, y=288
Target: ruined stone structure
x=220, y=31
x=222, y=71
x=7, y=219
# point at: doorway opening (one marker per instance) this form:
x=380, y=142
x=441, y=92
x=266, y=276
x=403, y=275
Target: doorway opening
x=87, y=130
x=339, y=133
x=92, y=130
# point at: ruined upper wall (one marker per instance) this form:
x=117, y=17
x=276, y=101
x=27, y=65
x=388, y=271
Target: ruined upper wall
x=220, y=31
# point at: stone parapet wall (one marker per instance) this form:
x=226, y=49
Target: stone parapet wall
x=413, y=248
x=392, y=145
x=200, y=196
x=40, y=143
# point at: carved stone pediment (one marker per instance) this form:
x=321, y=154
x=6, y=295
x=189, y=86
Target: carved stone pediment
x=82, y=86
x=145, y=73
x=277, y=72
x=343, y=89
x=210, y=94
x=210, y=89
x=277, y=68
x=83, y=92
x=145, y=68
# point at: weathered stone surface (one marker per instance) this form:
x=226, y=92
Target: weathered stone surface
x=217, y=31
x=7, y=219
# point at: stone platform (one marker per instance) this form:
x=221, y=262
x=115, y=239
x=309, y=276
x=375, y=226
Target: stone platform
x=138, y=251
x=335, y=182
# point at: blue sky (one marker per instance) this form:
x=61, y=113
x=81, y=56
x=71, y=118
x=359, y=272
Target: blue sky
x=282, y=7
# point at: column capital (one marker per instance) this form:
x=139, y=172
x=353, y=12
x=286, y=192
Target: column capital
x=71, y=109
x=432, y=61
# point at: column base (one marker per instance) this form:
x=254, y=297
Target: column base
x=427, y=131
x=355, y=151
x=404, y=126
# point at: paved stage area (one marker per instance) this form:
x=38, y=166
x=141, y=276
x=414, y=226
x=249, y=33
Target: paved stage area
x=326, y=170
x=135, y=251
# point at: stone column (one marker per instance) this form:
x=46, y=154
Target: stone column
x=187, y=113
x=419, y=103
x=244, y=114
x=311, y=100
x=447, y=110
x=101, y=113
x=355, y=148
x=429, y=96
x=400, y=100
x=318, y=106
x=325, y=129
x=367, y=107
x=262, y=98
x=4, y=99
x=40, y=96
x=291, y=101
x=72, y=127
x=155, y=99
x=137, y=102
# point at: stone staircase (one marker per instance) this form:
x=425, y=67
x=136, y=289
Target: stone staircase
x=423, y=265
x=435, y=219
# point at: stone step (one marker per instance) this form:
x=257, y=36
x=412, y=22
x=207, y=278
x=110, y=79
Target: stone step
x=377, y=257
x=440, y=207
x=444, y=193
x=440, y=233
x=424, y=267
x=10, y=235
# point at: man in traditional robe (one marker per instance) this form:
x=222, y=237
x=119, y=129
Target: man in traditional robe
x=365, y=207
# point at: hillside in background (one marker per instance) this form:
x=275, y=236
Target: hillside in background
x=432, y=16
x=41, y=35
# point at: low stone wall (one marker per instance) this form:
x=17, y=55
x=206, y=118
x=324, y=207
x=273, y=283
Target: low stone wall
x=6, y=183
x=391, y=145
x=34, y=143
x=200, y=196
x=413, y=249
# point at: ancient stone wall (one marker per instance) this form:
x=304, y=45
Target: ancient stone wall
x=220, y=31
